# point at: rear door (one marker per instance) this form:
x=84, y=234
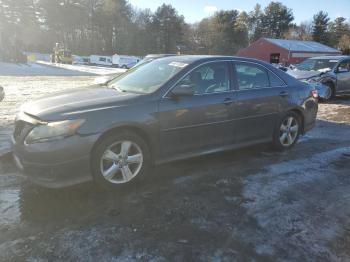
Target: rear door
x=343, y=76
x=261, y=96
x=200, y=122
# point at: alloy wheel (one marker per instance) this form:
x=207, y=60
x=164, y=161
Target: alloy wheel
x=328, y=93
x=121, y=162
x=289, y=131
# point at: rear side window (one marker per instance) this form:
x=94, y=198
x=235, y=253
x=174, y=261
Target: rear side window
x=345, y=65
x=275, y=81
x=250, y=76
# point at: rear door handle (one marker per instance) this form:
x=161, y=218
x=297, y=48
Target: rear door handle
x=284, y=93
x=228, y=101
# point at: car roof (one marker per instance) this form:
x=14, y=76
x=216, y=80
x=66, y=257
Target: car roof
x=189, y=59
x=159, y=55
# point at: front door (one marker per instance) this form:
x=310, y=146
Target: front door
x=200, y=122
x=343, y=77
x=261, y=96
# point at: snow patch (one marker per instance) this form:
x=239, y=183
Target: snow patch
x=94, y=70
x=33, y=69
x=283, y=202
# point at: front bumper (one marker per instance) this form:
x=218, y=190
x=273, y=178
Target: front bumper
x=310, y=114
x=56, y=164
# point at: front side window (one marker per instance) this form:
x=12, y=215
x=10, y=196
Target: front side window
x=147, y=77
x=208, y=78
x=344, y=66
x=250, y=76
x=275, y=81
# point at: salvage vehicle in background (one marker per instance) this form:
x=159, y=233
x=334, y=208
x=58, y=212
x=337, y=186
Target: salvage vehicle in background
x=330, y=75
x=167, y=109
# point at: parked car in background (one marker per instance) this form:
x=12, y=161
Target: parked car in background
x=83, y=60
x=124, y=61
x=330, y=75
x=151, y=57
x=167, y=109
x=2, y=93
x=101, y=60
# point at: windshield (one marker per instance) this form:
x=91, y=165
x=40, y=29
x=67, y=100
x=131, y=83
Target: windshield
x=317, y=64
x=148, y=77
x=143, y=61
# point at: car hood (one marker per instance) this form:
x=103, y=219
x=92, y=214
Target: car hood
x=300, y=74
x=78, y=100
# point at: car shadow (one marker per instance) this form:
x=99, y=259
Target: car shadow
x=88, y=201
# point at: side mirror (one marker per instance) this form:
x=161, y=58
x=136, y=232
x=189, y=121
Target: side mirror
x=2, y=93
x=342, y=70
x=183, y=90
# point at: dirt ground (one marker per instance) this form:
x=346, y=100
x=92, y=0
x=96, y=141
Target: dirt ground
x=253, y=204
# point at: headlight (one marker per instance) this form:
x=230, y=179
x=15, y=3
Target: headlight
x=53, y=131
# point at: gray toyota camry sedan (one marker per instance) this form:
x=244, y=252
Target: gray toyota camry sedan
x=168, y=109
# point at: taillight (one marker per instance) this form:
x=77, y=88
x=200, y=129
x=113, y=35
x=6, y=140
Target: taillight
x=314, y=93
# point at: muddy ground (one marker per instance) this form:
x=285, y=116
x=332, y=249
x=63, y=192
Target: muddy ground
x=254, y=204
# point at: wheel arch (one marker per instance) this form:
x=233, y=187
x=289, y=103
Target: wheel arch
x=127, y=128
x=299, y=112
x=332, y=82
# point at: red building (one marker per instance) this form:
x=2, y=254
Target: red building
x=282, y=51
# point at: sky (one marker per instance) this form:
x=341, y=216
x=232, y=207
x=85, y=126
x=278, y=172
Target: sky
x=195, y=10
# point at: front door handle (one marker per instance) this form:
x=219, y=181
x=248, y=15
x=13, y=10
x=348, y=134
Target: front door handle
x=284, y=93
x=228, y=101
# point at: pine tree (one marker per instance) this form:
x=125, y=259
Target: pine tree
x=276, y=20
x=320, y=28
x=168, y=26
x=338, y=28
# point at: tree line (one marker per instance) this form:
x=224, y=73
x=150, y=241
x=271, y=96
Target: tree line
x=114, y=26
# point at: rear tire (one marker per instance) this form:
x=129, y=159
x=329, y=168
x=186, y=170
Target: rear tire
x=119, y=160
x=287, y=131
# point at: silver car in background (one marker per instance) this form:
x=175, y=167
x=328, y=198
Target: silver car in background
x=330, y=75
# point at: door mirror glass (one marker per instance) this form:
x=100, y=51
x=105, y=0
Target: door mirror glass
x=183, y=90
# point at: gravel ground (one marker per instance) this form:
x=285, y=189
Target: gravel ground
x=253, y=204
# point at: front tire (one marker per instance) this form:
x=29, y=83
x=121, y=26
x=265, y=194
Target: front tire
x=330, y=92
x=287, y=131
x=120, y=159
